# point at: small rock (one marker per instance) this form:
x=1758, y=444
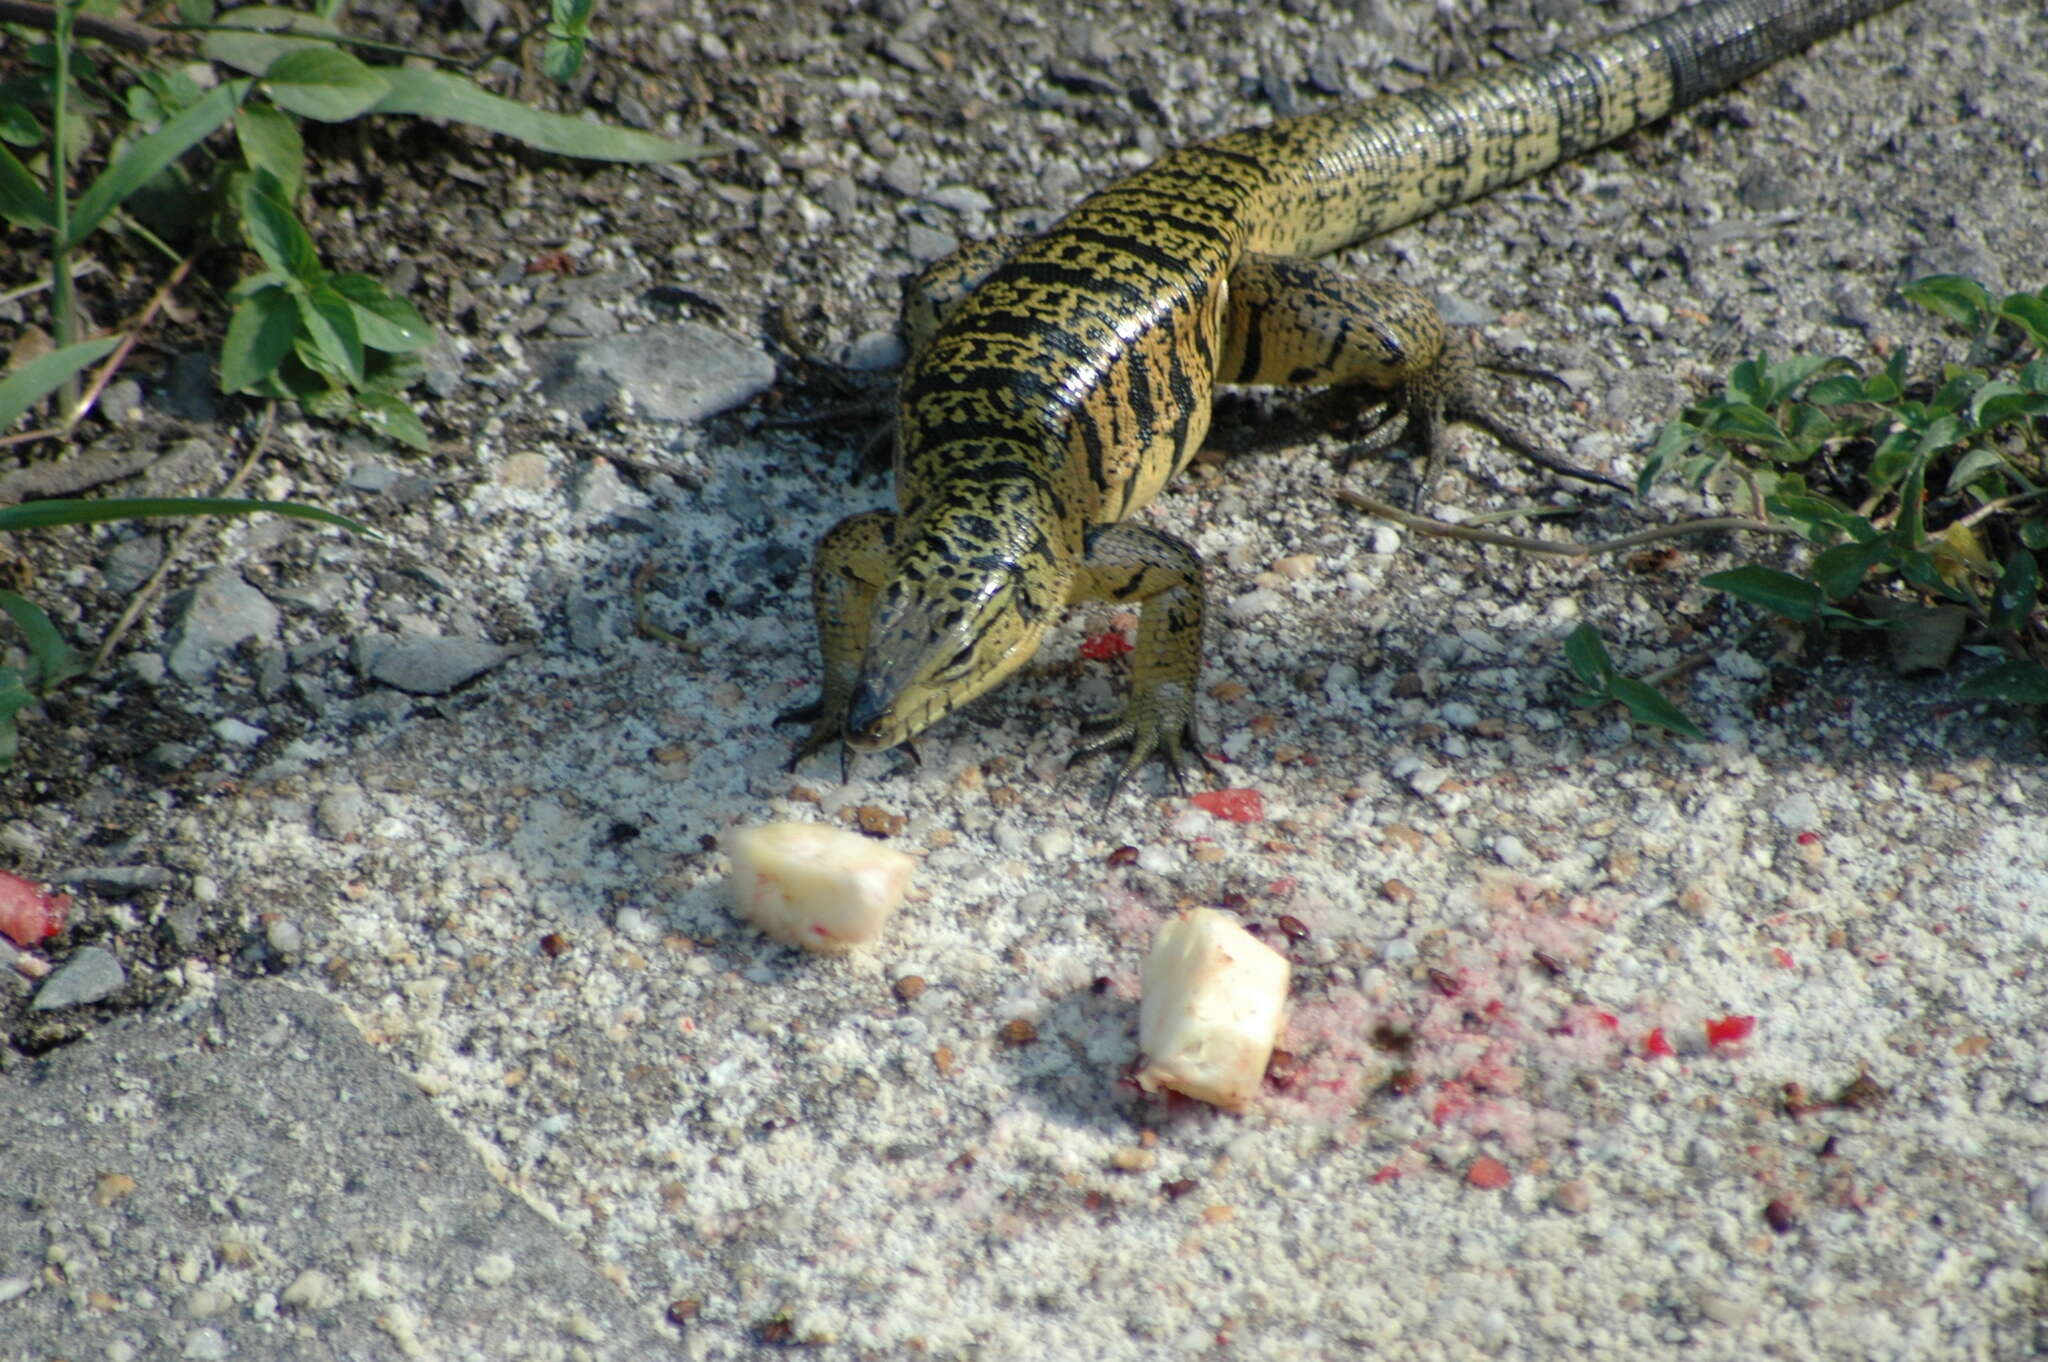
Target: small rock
x=188, y=388
x=1797, y=813
x=312, y=1290
x=122, y=401
x=205, y=1345
x=129, y=563
x=215, y=616
x=875, y=350
x=86, y=977
x=172, y=756
x=340, y=814
x=371, y=478
x=146, y=667
x=679, y=373
x=237, y=733
x=113, y=881
x=284, y=937
x=586, y=622
x=961, y=198
x=904, y=175
x=927, y=244
x=434, y=666
x=582, y=317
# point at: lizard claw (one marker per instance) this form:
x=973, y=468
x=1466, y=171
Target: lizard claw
x=1173, y=744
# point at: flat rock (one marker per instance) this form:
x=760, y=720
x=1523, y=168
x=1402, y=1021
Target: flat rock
x=263, y=1119
x=433, y=666
x=220, y=613
x=86, y=977
x=679, y=373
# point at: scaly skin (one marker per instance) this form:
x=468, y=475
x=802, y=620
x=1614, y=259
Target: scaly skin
x=1055, y=387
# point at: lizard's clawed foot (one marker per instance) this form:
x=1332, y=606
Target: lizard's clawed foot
x=1148, y=731
x=1449, y=394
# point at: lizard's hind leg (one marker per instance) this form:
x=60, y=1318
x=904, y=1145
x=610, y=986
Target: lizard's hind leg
x=1298, y=322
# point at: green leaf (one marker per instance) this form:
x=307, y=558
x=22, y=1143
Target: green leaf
x=1646, y=704
x=2018, y=593
x=2035, y=376
x=270, y=141
x=441, y=94
x=1835, y=391
x=146, y=159
x=259, y=337
x=273, y=230
x=1744, y=421
x=2029, y=312
x=394, y=416
x=36, y=515
x=254, y=36
x=1782, y=379
x=330, y=324
x=1841, y=569
x=1588, y=657
x=386, y=322
x=1779, y=592
x=1941, y=434
x=570, y=16
x=324, y=84
x=22, y=200
x=1745, y=386
x=1979, y=462
x=18, y=125
x=560, y=58
x=2034, y=534
x=1675, y=439
x=40, y=377
x=56, y=661
x=2018, y=683
x=1956, y=297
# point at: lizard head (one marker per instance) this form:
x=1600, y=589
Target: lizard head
x=967, y=600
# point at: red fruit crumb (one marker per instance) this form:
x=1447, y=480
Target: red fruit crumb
x=1386, y=1174
x=1489, y=1173
x=29, y=915
x=1102, y=647
x=1235, y=806
x=1807, y=839
x=1729, y=1030
x=1608, y=1020
x=1656, y=1046
x=1784, y=958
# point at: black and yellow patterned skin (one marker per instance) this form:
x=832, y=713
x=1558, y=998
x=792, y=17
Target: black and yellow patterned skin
x=1055, y=385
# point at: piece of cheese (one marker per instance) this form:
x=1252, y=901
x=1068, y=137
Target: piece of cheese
x=1210, y=1012
x=821, y=888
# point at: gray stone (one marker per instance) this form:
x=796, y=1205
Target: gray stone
x=961, y=198
x=680, y=373
x=86, y=977
x=433, y=666
x=587, y=633
x=129, y=563
x=188, y=388
x=114, y=881
x=582, y=317
x=215, y=616
x=264, y=1118
x=874, y=350
x=172, y=756
x=237, y=733
x=927, y=244
x=122, y=401
x=340, y=814
x=371, y=478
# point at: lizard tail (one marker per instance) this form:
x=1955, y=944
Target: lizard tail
x=1352, y=173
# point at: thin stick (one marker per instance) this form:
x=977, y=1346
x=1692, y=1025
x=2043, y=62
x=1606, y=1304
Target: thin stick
x=1444, y=529
x=141, y=324
x=143, y=597
x=119, y=32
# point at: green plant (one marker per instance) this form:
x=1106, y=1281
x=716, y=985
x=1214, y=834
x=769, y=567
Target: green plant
x=1601, y=684
x=339, y=344
x=1925, y=502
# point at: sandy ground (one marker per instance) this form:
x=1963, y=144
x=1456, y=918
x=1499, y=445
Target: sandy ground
x=1604, y=1045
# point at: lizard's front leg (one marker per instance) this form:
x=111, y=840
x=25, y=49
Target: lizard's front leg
x=1297, y=322
x=1128, y=564
x=846, y=575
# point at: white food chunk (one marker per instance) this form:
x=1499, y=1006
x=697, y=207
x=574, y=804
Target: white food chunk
x=821, y=888
x=1211, y=1009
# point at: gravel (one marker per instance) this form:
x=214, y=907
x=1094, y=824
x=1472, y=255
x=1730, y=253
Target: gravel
x=1603, y=1045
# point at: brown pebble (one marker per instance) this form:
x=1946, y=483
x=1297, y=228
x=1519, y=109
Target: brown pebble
x=683, y=1311
x=910, y=987
x=1780, y=1216
x=554, y=944
x=1018, y=1031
